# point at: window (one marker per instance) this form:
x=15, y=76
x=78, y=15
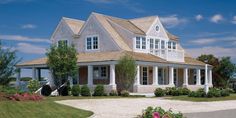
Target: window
x=145, y=76
x=174, y=45
x=92, y=43
x=169, y=45
x=143, y=43
x=62, y=42
x=156, y=43
x=100, y=72
x=151, y=43
x=162, y=44
x=138, y=42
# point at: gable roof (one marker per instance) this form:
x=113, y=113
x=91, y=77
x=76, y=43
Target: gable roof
x=144, y=23
x=74, y=24
x=112, y=32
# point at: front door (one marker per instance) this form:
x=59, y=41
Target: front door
x=145, y=75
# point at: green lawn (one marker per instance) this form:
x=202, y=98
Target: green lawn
x=43, y=109
x=186, y=98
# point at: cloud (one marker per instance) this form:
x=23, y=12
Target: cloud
x=234, y=20
x=216, y=18
x=217, y=51
x=172, y=21
x=28, y=26
x=30, y=49
x=23, y=38
x=198, y=17
x=203, y=41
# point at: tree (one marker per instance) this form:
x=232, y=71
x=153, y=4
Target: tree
x=125, y=72
x=8, y=60
x=223, y=69
x=62, y=61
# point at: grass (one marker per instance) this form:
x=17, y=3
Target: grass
x=186, y=98
x=42, y=109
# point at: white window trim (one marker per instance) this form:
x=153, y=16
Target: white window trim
x=91, y=36
x=141, y=43
x=100, y=71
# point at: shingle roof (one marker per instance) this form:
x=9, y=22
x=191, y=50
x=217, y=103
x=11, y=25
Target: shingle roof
x=144, y=23
x=74, y=24
x=113, y=56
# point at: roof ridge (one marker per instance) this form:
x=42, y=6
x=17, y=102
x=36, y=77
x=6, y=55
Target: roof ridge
x=67, y=18
x=143, y=17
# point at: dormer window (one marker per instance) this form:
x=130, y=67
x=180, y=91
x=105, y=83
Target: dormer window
x=169, y=45
x=174, y=45
x=140, y=42
x=62, y=42
x=92, y=43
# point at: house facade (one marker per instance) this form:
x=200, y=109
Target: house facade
x=102, y=40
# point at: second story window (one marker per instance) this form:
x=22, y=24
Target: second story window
x=174, y=45
x=151, y=43
x=162, y=44
x=143, y=43
x=92, y=43
x=156, y=43
x=62, y=42
x=169, y=45
x=138, y=42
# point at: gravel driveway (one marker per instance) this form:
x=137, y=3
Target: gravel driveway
x=131, y=107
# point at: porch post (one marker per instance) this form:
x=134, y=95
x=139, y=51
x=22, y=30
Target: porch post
x=198, y=77
x=90, y=75
x=155, y=75
x=171, y=75
x=112, y=74
x=206, y=87
x=18, y=77
x=39, y=74
x=137, y=81
x=185, y=77
x=34, y=73
x=210, y=77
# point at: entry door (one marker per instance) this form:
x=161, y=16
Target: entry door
x=145, y=75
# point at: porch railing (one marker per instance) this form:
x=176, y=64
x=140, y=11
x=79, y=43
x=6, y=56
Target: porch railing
x=169, y=55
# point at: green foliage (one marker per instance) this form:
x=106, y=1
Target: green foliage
x=174, y=91
x=148, y=113
x=184, y=91
x=9, y=90
x=125, y=72
x=85, y=91
x=159, y=92
x=113, y=93
x=62, y=61
x=223, y=69
x=99, y=90
x=75, y=90
x=33, y=85
x=199, y=93
x=124, y=93
x=8, y=60
x=25, y=79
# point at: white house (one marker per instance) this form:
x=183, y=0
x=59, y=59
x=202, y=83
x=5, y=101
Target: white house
x=102, y=40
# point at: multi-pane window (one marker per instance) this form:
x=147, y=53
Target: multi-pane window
x=156, y=43
x=169, y=45
x=62, y=42
x=162, y=44
x=100, y=72
x=92, y=43
x=138, y=42
x=143, y=43
x=174, y=45
x=151, y=43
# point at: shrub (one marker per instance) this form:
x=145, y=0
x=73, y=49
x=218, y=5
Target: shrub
x=25, y=79
x=9, y=90
x=159, y=92
x=185, y=91
x=63, y=91
x=25, y=97
x=85, y=91
x=124, y=93
x=99, y=90
x=191, y=94
x=33, y=85
x=161, y=113
x=75, y=90
x=169, y=90
x=176, y=92
x=200, y=93
x=210, y=94
x=225, y=92
x=46, y=90
x=113, y=93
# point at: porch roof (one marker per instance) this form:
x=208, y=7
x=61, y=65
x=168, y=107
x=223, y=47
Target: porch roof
x=114, y=56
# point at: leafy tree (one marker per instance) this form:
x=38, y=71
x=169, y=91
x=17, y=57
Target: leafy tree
x=125, y=72
x=223, y=69
x=8, y=60
x=62, y=61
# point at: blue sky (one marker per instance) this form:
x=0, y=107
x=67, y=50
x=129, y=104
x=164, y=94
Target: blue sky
x=203, y=26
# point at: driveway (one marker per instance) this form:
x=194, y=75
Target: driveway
x=131, y=107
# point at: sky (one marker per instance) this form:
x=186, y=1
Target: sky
x=204, y=27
